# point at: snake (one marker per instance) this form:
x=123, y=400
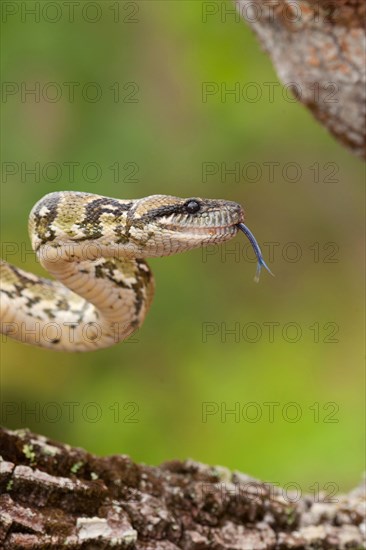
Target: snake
x=95, y=248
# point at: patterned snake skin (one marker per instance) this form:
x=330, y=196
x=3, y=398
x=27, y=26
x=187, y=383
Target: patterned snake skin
x=95, y=247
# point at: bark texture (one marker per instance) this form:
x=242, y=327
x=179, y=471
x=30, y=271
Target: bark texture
x=54, y=496
x=318, y=48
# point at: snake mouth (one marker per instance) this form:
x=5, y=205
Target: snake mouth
x=201, y=230
x=222, y=217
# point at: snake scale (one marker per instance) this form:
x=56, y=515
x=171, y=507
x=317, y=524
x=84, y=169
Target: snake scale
x=95, y=248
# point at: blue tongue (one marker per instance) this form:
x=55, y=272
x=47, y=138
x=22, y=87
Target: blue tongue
x=261, y=263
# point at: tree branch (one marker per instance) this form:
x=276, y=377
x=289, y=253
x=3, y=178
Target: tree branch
x=53, y=496
x=318, y=48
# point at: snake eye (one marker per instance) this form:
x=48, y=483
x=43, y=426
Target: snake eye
x=192, y=206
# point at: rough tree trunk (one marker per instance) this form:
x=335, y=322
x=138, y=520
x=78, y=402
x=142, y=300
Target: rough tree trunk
x=54, y=496
x=320, y=47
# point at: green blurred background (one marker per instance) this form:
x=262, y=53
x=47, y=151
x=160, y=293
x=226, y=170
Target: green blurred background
x=145, y=397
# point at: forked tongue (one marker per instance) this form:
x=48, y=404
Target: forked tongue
x=261, y=263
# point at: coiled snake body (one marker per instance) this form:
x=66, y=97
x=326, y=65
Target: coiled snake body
x=95, y=247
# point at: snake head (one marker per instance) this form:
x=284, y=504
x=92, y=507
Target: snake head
x=168, y=225
x=76, y=224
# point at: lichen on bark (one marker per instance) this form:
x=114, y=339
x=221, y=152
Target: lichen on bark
x=55, y=496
